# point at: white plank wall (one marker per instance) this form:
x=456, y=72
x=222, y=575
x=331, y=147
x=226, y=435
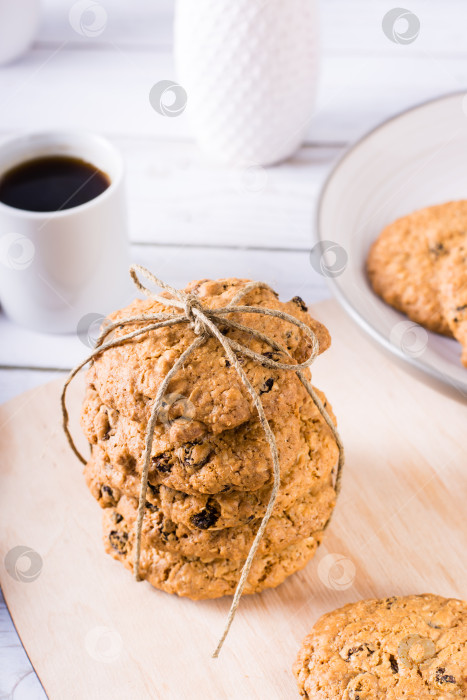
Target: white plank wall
x=189, y=218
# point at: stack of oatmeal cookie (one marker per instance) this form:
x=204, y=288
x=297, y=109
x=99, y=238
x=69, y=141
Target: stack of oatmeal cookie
x=211, y=471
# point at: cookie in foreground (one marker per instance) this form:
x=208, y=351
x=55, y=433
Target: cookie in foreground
x=411, y=648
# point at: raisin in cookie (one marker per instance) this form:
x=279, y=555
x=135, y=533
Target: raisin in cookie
x=195, y=579
x=127, y=377
x=408, y=648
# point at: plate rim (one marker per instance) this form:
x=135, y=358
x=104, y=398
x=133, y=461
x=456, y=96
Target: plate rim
x=421, y=369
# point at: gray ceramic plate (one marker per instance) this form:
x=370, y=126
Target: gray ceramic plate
x=414, y=160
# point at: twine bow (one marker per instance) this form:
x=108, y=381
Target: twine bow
x=206, y=323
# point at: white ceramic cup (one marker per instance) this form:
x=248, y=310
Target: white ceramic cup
x=19, y=21
x=57, y=267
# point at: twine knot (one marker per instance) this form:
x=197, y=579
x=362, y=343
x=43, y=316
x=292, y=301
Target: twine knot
x=208, y=323
x=194, y=313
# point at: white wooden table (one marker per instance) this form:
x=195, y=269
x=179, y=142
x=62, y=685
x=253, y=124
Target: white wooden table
x=188, y=218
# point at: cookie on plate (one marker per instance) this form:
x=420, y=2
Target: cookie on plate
x=453, y=292
x=401, y=271
x=400, y=648
x=418, y=265
x=446, y=233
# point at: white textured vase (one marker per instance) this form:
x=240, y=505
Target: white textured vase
x=250, y=69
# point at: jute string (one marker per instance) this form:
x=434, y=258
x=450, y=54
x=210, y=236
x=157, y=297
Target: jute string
x=206, y=323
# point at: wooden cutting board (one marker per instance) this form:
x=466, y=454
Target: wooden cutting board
x=92, y=632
